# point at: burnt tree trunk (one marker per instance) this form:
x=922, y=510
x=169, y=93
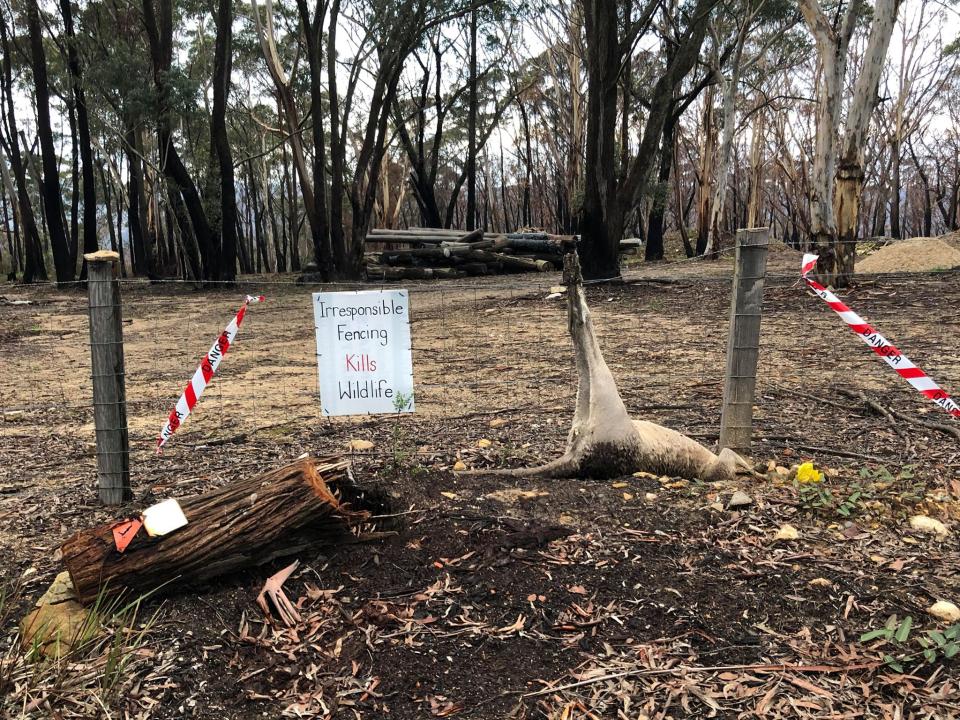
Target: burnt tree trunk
x=51, y=197
x=244, y=523
x=221, y=160
x=33, y=262
x=90, y=242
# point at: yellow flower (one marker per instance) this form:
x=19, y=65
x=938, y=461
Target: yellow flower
x=806, y=474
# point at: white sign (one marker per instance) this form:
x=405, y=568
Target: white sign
x=363, y=351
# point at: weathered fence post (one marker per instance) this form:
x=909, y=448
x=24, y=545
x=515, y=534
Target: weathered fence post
x=109, y=395
x=743, y=342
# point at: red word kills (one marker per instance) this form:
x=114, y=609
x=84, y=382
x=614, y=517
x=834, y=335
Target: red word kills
x=360, y=363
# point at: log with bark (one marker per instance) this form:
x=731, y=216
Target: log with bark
x=245, y=523
x=515, y=263
x=604, y=442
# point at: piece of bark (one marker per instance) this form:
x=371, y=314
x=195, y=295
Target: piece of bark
x=242, y=524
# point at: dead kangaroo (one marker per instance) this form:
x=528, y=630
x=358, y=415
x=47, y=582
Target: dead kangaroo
x=604, y=442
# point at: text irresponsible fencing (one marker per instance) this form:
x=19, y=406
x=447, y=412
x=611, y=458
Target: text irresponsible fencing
x=363, y=352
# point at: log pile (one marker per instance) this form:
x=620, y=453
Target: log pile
x=242, y=524
x=435, y=253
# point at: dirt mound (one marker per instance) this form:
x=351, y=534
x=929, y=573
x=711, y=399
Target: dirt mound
x=921, y=254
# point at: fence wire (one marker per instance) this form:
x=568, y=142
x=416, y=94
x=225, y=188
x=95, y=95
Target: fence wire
x=485, y=349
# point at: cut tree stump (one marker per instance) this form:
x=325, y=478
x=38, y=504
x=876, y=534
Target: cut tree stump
x=242, y=524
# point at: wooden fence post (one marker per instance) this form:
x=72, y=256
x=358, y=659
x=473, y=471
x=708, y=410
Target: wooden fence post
x=743, y=341
x=109, y=395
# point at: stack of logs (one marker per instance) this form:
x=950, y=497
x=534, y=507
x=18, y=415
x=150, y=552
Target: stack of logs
x=434, y=253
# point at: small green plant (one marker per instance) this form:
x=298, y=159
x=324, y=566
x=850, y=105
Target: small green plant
x=940, y=644
x=934, y=645
x=401, y=402
x=817, y=497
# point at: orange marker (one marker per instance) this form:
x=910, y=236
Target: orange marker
x=124, y=532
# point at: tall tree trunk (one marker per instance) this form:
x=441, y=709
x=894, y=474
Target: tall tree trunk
x=90, y=243
x=293, y=214
x=705, y=180
x=895, y=186
x=52, y=199
x=225, y=228
x=190, y=251
x=838, y=183
x=756, y=168
x=75, y=182
x=291, y=117
x=313, y=31
x=601, y=218
x=34, y=267
x=144, y=261
x=338, y=160
x=849, y=181
x=605, y=200
x=472, y=128
x=160, y=35
x=654, y=247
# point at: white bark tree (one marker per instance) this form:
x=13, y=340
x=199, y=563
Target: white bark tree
x=837, y=179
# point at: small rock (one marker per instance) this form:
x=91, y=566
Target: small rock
x=554, y=296
x=484, y=443
x=360, y=445
x=449, y=495
x=650, y=497
x=739, y=499
x=459, y=466
x=498, y=422
x=60, y=590
x=58, y=622
x=928, y=525
x=946, y=611
x=56, y=629
x=716, y=506
x=787, y=532
x=820, y=582
x=558, y=289
x=781, y=471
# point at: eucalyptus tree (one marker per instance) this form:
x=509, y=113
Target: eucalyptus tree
x=63, y=260
x=756, y=26
x=838, y=172
x=441, y=98
x=34, y=267
x=197, y=237
x=613, y=30
x=75, y=66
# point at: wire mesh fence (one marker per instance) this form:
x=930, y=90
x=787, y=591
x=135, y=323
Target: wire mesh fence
x=485, y=349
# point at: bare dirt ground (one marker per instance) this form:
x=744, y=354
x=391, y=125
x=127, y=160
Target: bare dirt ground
x=655, y=601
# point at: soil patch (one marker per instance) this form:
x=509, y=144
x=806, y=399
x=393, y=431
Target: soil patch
x=920, y=254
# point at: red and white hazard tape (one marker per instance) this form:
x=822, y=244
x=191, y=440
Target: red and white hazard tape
x=880, y=345
x=201, y=378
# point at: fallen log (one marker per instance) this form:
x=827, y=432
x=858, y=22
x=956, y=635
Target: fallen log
x=474, y=268
x=510, y=262
x=388, y=272
x=244, y=523
x=540, y=244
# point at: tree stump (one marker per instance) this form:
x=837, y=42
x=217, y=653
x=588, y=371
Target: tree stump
x=244, y=523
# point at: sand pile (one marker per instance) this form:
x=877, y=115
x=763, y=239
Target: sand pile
x=921, y=254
